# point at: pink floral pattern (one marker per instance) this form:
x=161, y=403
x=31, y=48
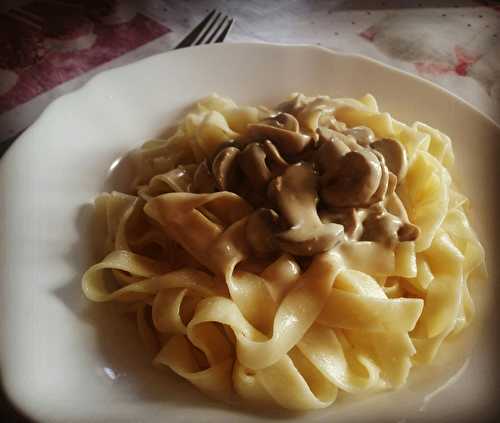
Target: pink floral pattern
x=461, y=67
x=64, y=52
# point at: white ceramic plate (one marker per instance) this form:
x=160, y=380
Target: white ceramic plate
x=63, y=360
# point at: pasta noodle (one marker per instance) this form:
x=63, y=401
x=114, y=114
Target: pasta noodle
x=279, y=256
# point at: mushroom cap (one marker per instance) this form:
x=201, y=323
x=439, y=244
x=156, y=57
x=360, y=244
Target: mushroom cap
x=331, y=150
x=283, y=121
x=355, y=182
x=276, y=163
x=295, y=195
x=381, y=227
x=363, y=135
x=327, y=134
x=260, y=161
x=408, y=232
x=394, y=155
x=252, y=161
x=292, y=105
x=225, y=168
x=283, y=130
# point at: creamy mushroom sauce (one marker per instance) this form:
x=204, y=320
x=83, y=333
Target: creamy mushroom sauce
x=311, y=190
x=263, y=251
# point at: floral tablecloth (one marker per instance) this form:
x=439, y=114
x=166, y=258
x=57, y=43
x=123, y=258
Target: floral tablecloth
x=51, y=47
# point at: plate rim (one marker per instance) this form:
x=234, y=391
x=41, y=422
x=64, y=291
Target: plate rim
x=107, y=72
x=18, y=402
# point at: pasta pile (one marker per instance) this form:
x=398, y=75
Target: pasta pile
x=285, y=328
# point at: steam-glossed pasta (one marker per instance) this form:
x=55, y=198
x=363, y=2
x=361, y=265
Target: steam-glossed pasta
x=279, y=256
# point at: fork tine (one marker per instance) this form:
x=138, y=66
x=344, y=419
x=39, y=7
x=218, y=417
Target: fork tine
x=209, y=28
x=216, y=30
x=225, y=31
x=191, y=37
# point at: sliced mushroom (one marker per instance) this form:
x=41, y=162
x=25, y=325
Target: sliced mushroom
x=293, y=105
x=275, y=162
x=355, y=182
x=295, y=195
x=331, y=150
x=260, y=162
x=203, y=180
x=252, y=161
x=394, y=154
x=363, y=135
x=225, y=169
x=283, y=131
x=230, y=143
x=381, y=227
x=261, y=226
x=283, y=121
x=314, y=113
x=294, y=192
x=384, y=181
x=408, y=232
x=347, y=217
x=327, y=134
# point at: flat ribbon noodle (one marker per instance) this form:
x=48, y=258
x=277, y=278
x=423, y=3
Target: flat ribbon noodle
x=352, y=371
x=273, y=332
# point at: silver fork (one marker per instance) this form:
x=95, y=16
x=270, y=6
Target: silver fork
x=212, y=29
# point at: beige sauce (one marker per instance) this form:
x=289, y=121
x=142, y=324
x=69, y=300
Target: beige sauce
x=312, y=192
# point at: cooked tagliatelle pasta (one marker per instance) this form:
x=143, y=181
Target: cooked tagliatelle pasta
x=277, y=256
